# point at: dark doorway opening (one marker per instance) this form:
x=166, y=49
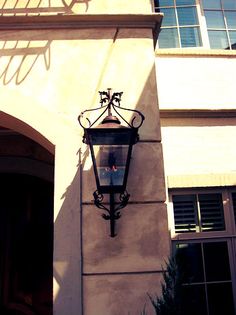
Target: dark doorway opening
x=26, y=245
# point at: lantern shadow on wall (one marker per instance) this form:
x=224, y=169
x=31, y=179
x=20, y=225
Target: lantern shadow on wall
x=111, y=145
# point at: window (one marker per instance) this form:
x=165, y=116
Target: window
x=180, y=26
x=198, y=213
x=186, y=22
x=207, y=287
x=203, y=229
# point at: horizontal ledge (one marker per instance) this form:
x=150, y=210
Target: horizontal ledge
x=198, y=113
x=149, y=141
x=83, y=21
x=121, y=273
x=152, y=20
x=201, y=180
x=201, y=52
x=91, y=203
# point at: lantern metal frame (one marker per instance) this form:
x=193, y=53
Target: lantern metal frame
x=111, y=124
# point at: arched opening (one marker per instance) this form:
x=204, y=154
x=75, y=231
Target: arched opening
x=26, y=226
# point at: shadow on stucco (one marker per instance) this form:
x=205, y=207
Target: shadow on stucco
x=19, y=55
x=40, y=7
x=22, y=51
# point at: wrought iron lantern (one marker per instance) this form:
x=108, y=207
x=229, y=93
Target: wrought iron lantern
x=111, y=145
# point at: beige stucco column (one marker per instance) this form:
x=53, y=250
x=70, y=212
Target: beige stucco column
x=62, y=70
x=118, y=272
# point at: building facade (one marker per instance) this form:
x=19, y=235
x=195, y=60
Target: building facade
x=57, y=255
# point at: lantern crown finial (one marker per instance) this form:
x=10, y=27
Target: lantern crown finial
x=111, y=102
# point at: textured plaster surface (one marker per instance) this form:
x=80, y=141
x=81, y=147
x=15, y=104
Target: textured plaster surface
x=189, y=138
x=198, y=82
x=47, y=78
x=141, y=243
x=43, y=7
x=120, y=294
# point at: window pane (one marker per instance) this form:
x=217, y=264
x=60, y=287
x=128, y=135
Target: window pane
x=218, y=39
x=185, y=2
x=220, y=299
x=187, y=16
x=190, y=37
x=194, y=298
x=185, y=210
x=216, y=261
x=211, y=4
x=231, y=19
x=214, y=19
x=168, y=38
x=169, y=17
x=212, y=213
x=189, y=260
x=163, y=3
x=229, y=4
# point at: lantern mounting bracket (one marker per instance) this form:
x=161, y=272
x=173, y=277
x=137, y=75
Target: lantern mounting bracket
x=113, y=213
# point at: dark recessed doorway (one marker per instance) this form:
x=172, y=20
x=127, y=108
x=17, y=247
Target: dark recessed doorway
x=26, y=245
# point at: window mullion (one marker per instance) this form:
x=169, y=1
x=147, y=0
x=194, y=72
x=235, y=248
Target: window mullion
x=202, y=25
x=177, y=24
x=198, y=216
x=204, y=277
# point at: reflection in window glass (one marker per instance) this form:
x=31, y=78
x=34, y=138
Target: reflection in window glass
x=214, y=19
x=163, y=3
x=218, y=39
x=231, y=19
x=232, y=36
x=168, y=38
x=194, y=300
x=185, y=2
x=220, y=298
x=190, y=37
x=229, y=4
x=211, y=4
x=189, y=259
x=170, y=18
x=207, y=283
x=187, y=16
x=213, y=252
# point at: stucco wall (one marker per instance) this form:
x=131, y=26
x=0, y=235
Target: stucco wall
x=200, y=82
x=11, y=7
x=199, y=146
x=47, y=78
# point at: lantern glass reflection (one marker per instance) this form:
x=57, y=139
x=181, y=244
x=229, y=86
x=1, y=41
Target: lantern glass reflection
x=111, y=164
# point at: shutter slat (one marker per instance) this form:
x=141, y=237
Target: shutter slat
x=212, y=214
x=184, y=213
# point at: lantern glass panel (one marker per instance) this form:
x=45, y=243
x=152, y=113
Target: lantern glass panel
x=111, y=164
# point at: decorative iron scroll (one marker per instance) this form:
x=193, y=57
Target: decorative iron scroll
x=113, y=212
x=108, y=103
